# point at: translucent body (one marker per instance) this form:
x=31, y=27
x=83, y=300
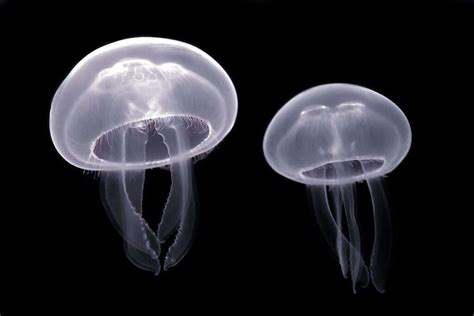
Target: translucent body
x=330, y=137
x=137, y=104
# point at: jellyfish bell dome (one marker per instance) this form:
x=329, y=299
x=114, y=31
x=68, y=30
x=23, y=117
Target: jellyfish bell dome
x=337, y=134
x=136, y=86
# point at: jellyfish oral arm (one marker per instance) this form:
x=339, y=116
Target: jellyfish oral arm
x=341, y=242
x=179, y=214
x=344, y=245
x=347, y=251
x=122, y=193
x=380, y=258
x=348, y=198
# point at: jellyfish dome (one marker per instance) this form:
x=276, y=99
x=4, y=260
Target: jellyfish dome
x=133, y=83
x=336, y=134
x=329, y=138
x=137, y=104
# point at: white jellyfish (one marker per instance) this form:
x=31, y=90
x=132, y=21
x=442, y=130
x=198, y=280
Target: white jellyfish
x=330, y=137
x=138, y=104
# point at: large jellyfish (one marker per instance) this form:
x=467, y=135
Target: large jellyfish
x=138, y=104
x=330, y=137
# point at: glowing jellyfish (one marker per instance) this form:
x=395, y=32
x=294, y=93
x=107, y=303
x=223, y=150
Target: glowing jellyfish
x=330, y=137
x=138, y=104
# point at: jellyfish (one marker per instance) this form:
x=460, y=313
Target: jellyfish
x=138, y=104
x=330, y=138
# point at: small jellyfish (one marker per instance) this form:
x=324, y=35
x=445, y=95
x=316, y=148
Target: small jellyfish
x=138, y=104
x=329, y=138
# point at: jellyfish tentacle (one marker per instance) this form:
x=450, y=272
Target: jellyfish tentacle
x=380, y=257
x=179, y=213
x=122, y=193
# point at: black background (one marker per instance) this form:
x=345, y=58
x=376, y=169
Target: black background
x=257, y=246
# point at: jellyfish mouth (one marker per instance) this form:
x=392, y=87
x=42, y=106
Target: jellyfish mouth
x=118, y=144
x=345, y=170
